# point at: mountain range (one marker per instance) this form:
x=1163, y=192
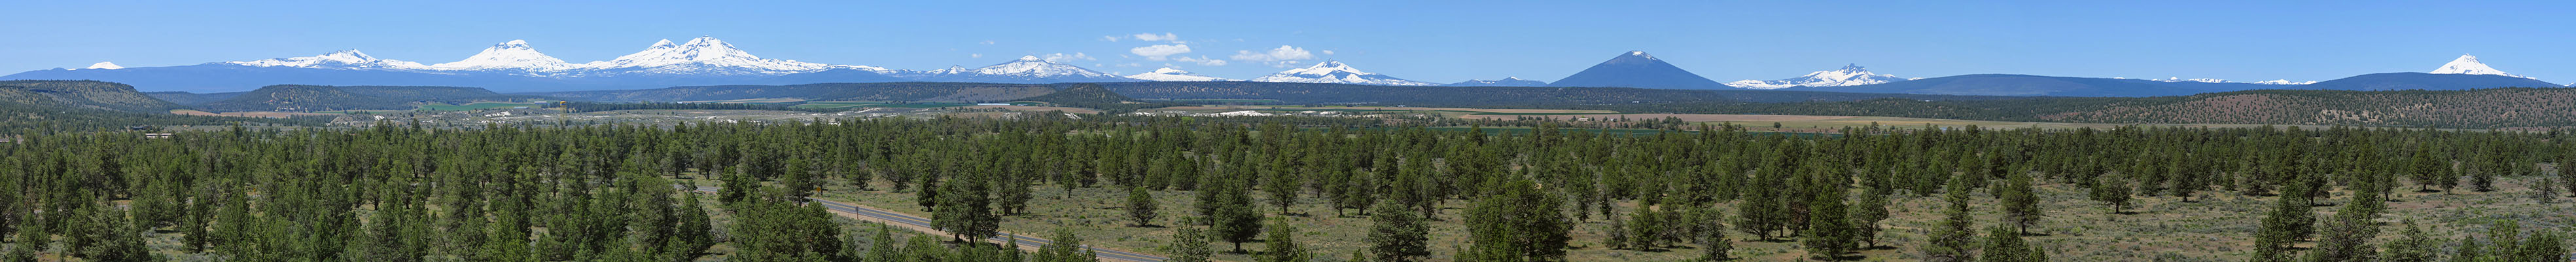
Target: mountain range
x=1506, y=81
x=516, y=66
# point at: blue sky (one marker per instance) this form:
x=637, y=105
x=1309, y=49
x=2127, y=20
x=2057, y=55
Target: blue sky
x=1437, y=41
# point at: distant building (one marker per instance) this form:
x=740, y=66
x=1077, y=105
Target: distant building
x=156, y=135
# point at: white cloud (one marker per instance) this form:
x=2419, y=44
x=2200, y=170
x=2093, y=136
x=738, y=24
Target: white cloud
x=1201, y=60
x=1110, y=38
x=988, y=42
x=1328, y=52
x=1283, y=53
x=974, y=55
x=1061, y=57
x=1157, y=52
x=1152, y=37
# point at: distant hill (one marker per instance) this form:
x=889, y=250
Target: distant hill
x=32, y=106
x=1637, y=69
x=81, y=94
x=186, y=98
x=2481, y=108
x=2031, y=85
x=327, y=98
x=2424, y=81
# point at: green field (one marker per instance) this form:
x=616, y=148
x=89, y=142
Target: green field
x=474, y=106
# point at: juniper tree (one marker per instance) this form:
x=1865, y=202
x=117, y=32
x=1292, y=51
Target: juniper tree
x=1140, y=206
x=1398, y=236
x=1283, y=246
x=2111, y=190
x=2414, y=246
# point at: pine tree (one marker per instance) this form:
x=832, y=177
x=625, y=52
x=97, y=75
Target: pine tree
x=1141, y=206
x=965, y=208
x=2289, y=222
x=2543, y=246
x=28, y=242
x=1067, y=248
x=1282, y=184
x=1189, y=243
x=1283, y=244
x=2546, y=192
x=2416, y=246
x=1398, y=236
x=1714, y=246
x=1955, y=239
x=121, y=240
x=2006, y=245
x=2348, y=238
x=2021, y=202
x=882, y=248
x=1871, y=209
x=1828, y=234
x=2469, y=251
x=1517, y=222
x=2114, y=191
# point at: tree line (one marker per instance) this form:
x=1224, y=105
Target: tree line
x=617, y=192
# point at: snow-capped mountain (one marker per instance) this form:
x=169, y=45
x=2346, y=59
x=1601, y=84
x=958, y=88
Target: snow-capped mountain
x=2469, y=65
x=343, y=59
x=1334, y=72
x=1506, y=81
x=1026, y=69
x=704, y=56
x=1168, y=74
x=2222, y=81
x=1849, y=75
x=2200, y=80
x=1637, y=69
x=104, y=65
x=512, y=55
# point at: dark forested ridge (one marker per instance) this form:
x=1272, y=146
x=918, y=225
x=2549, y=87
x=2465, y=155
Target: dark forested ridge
x=518, y=193
x=81, y=94
x=37, y=106
x=1095, y=97
x=309, y=98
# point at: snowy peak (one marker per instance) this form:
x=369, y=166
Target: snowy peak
x=1029, y=67
x=2469, y=65
x=515, y=55
x=1334, y=72
x=1506, y=81
x=1849, y=75
x=104, y=65
x=707, y=56
x=343, y=59
x=1168, y=74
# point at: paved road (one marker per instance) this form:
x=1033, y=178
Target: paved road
x=881, y=214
